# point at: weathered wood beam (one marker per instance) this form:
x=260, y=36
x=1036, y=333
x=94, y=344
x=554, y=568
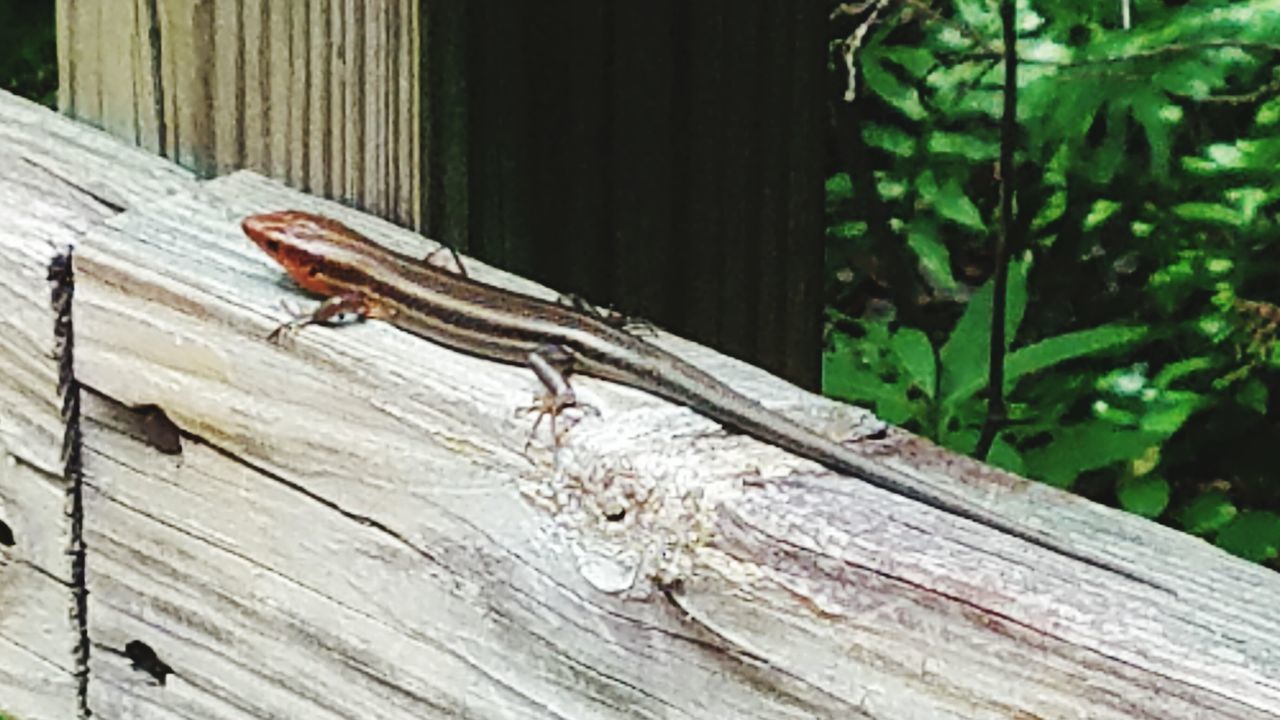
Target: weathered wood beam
x=57, y=179
x=350, y=526
x=353, y=529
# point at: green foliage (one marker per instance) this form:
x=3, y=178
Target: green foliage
x=1144, y=303
x=28, y=62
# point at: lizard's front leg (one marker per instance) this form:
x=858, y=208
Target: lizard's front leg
x=552, y=364
x=331, y=311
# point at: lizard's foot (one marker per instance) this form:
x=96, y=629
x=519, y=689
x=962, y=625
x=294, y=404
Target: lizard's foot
x=553, y=406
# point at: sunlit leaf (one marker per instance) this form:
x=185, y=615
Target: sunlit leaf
x=1252, y=535
x=1147, y=496
x=903, y=98
x=1268, y=113
x=1052, y=351
x=847, y=230
x=915, y=352
x=1148, y=110
x=967, y=146
x=1082, y=447
x=889, y=138
x=1208, y=212
x=1050, y=211
x=839, y=187
x=889, y=187
x=934, y=258
x=916, y=60
x=966, y=355
x=1207, y=512
x=950, y=201
x=1170, y=412
x=1099, y=213
x=1006, y=456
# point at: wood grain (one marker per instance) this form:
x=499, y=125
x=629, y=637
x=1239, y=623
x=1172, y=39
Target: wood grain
x=57, y=179
x=320, y=93
x=354, y=530
x=664, y=157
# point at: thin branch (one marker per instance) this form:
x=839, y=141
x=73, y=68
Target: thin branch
x=853, y=9
x=1142, y=55
x=1247, y=98
x=960, y=27
x=996, y=410
x=850, y=45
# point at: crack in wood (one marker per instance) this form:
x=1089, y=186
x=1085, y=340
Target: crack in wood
x=62, y=291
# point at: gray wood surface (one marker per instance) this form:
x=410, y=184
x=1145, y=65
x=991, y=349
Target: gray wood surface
x=57, y=179
x=354, y=530
x=665, y=156
x=321, y=93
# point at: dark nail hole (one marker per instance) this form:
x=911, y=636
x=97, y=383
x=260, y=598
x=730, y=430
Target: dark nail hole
x=160, y=432
x=616, y=515
x=6, y=534
x=144, y=659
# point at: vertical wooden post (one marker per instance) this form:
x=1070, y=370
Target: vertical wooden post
x=664, y=157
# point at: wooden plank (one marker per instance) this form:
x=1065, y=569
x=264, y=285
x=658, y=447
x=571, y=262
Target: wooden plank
x=222, y=84
x=38, y=633
x=660, y=158
x=57, y=179
x=353, y=530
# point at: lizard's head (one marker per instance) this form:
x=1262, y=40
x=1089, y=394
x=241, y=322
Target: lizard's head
x=301, y=242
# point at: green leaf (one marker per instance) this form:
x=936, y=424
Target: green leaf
x=1050, y=211
x=1175, y=371
x=850, y=372
x=1170, y=411
x=966, y=354
x=915, y=353
x=839, y=187
x=1208, y=212
x=1054, y=110
x=1148, y=110
x=969, y=147
x=1207, y=512
x=1051, y=351
x=1086, y=446
x=1268, y=113
x=1110, y=156
x=1006, y=456
x=889, y=138
x=1147, y=496
x=949, y=200
x=1252, y=535
x=932, y=254
x=1253, y=394
x=847, y=230
x=1099, y=213
x=916, y=60
x=889, y=187
x=904, y=98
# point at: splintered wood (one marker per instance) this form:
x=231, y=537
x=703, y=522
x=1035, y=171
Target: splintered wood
x=348, y=525
x=355, y=509
x=57, y=179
